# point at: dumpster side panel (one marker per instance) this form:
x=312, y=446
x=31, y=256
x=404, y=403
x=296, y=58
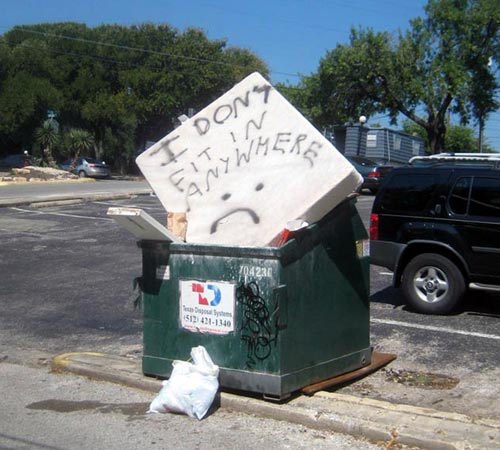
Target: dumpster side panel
x=328, y=311
x=155, y=263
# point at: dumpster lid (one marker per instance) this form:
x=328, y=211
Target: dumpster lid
x=142, y=225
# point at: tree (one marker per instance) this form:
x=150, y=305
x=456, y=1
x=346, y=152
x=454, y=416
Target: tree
x=242, y=62
x=463, y=139
x=25, y=96
x=469, y=33
x=343, y=89
x=78, y=141
x=438, y=66
x=413, y=129
x=47, y=136
x=125, y=85
x=458, y=138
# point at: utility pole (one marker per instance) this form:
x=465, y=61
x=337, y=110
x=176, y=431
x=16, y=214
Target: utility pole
x=480, y=137
x=362, y=121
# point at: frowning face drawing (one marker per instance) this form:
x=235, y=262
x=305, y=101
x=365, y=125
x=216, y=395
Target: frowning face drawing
x=254, y=217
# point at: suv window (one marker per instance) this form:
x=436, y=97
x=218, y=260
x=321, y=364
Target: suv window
x=482, y=200
x=485, y=197
x=459, y=196
x=409, y=193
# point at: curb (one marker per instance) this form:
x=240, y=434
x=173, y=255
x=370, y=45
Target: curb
x=66, y=200
x=362, y=417
x=79, y=199
x=30, y=182
x=63, y=180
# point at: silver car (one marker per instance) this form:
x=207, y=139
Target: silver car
x=88, y=167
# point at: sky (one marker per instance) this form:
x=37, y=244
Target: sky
x=291, y=36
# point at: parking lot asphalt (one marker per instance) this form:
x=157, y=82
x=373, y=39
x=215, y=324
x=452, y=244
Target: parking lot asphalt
x=373, y=407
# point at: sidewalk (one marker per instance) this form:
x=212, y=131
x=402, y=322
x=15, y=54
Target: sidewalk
x=373, y=419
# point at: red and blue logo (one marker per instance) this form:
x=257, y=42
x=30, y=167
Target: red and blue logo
x=200, y=289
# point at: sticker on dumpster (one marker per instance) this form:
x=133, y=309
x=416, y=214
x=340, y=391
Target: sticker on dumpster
x=207, y=307
x=163, y=273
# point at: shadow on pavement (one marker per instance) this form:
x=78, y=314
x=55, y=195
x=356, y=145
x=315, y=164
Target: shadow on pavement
x=389, y=296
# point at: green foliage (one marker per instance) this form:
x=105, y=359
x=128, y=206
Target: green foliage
x=439, y=65
x=47, y=136
x=124, y=85
x=344, y=86
x=464, y=139
x=458, y=138
x=23, y=104
x=78, y=142
x=413, y=129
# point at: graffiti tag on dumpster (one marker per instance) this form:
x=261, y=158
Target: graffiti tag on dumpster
x=246, y=165
x=257, y=330
x=206, y=307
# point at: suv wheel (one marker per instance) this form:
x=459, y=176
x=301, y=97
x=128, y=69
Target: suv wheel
x=433, y=284
x=82, y=174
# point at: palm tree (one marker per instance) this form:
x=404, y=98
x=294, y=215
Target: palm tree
x=79, y=141
x=47, y=135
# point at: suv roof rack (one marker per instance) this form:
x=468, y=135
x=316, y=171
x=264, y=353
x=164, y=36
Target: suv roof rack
x=458, y=157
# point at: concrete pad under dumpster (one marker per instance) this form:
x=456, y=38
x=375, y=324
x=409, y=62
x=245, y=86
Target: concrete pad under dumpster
x=273, y=319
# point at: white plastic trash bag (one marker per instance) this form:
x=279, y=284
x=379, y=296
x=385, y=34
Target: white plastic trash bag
x=191, y=388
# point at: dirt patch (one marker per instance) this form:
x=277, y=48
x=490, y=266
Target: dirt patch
x=424, y=380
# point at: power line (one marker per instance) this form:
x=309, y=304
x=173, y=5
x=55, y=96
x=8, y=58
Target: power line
x=161, y=53
x=282, y=19
x=314, y=26
x=114, y=61
x=142, y=50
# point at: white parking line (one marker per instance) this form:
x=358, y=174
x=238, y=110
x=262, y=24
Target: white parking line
x=62, y=214
x=438, y=329
x=151, y=208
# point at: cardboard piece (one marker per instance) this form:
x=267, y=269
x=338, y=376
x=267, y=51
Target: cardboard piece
x=177, y=224
x=142, y=225
x=245, y=166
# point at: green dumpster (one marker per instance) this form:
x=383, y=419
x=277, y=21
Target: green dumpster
x=275, y=319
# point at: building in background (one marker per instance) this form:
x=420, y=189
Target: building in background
x=378, y=144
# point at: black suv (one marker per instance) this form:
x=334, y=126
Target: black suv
x=437, y=226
